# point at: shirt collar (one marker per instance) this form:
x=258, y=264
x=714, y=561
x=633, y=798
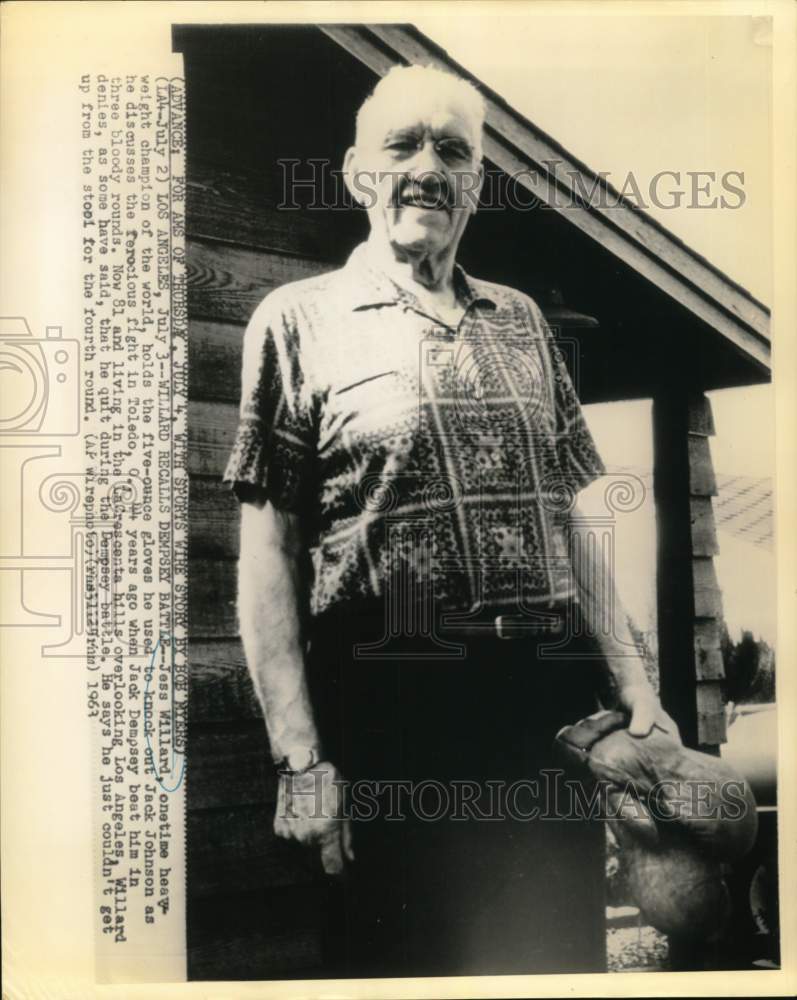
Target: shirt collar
x=365, y=285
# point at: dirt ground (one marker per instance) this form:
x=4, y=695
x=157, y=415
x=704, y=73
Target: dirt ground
x=636, y=949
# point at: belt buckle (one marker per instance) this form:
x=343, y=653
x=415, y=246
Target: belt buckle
x=523, y=627
x=500, y=622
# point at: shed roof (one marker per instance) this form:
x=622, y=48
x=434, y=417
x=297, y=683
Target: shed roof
x=518, y=146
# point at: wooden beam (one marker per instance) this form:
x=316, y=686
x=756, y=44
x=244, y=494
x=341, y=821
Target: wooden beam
x=561, y=317
x=711, y=721
x=708, y=651
x=701, y=417
x=674, y=585
x=702, y=482
x=689, y=598
x=704, y=528
x=708, y=596
x=709, y=665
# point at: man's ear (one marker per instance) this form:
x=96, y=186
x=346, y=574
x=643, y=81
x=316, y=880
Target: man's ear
x=470, y=188
x=478, y=188
x=357, y=182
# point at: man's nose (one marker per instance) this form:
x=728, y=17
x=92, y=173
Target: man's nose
x=427, y=171
x=432, y=183
x=425, y=182
x=427, y=159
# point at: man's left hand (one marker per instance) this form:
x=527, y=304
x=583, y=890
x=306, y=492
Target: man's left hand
x=636, y=696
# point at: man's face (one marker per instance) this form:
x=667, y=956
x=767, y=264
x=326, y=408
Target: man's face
x=421, y=170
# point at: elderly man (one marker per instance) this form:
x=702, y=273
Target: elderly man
x=409, y=451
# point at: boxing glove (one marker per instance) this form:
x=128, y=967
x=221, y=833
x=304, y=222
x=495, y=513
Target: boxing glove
x=678, y=816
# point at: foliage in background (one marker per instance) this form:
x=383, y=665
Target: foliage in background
x=749, y=665
x=749, y=669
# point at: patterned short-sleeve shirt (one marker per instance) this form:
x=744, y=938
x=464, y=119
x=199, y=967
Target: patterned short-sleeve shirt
x=419, y=455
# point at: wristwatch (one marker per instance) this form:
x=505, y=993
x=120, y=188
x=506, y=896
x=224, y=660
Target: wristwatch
x=299, y=759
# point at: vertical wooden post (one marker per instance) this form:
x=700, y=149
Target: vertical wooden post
x=689, y=600
x=688, y=596
x=709, y=670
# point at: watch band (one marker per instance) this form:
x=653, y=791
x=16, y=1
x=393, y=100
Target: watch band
x=299, y=760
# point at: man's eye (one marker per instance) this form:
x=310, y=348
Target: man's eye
x=453, y=149
x=402, y=146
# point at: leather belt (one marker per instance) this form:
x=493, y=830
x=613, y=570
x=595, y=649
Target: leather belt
x=485, y=623
x=507, y=625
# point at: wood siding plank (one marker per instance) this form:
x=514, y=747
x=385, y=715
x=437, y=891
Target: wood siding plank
x=211, y=431
x=235, y=850
x=230, y=767
x=234, y=207
x=215, y=520
x=257, y=934
x=702, y=481
x=708, y=633
x=212, y=588
x=255, y=953
x=227, y=283
x=704, y=528
x=688, y=594
x=220, y=685
x=711, y=727
x=708, y=596
x=708, y=664
x=701, y=418
x=214, y=360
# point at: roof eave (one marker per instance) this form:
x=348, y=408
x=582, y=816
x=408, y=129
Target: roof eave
x=518, y=147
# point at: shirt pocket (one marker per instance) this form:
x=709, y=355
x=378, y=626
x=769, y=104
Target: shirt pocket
x=364, y=382
x=368, y=407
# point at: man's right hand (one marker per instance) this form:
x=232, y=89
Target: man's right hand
x=310, y=810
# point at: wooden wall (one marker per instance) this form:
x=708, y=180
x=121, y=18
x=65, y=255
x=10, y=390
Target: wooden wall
x=254, y=902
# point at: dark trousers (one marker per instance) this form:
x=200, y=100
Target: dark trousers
x=453, y=873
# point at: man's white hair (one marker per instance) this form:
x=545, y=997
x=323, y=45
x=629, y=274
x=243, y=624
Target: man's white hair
x=412, y=85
